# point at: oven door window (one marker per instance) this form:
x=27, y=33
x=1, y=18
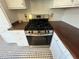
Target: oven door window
x=39, y=40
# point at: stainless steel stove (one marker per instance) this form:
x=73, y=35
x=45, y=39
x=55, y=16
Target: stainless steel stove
x=39, y=32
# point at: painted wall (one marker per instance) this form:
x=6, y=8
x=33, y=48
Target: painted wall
x=11, y=14
x=40, y=6
x=21, y=15
x=71, y=16
x=34, y=7
x=57, y=14
x=21, y=12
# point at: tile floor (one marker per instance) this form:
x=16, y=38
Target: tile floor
x=31, y=52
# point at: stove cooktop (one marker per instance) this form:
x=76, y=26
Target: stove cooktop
x=38, y=24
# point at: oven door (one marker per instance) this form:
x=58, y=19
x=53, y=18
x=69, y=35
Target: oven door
x=39, y=40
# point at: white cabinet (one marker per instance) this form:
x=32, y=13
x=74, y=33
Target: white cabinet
x=59, y=51
x=58, y=54
x=62, y=3
x=4, y=21
x=76, y=3
x=15, y=36
x=16, y=4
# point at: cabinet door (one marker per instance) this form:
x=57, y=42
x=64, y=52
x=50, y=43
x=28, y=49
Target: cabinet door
x=60, y=44
x=64, y=49
x=62, y=3
x=66, y=53
x=56, y=51
x=52, y=48
x=59, y=51
x=21, y=38
x=16, y=4
x=15, y=36
x=4, y=21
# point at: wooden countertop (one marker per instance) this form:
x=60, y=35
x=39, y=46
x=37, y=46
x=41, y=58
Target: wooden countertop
x=18, y=26
x=69, y=35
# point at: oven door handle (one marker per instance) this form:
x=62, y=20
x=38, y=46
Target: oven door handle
x=39, y=34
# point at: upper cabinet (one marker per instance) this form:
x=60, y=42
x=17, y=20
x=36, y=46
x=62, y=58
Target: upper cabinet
x=16, y=4
x=64, y=3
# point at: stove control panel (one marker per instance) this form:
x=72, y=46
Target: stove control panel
x=38, y=33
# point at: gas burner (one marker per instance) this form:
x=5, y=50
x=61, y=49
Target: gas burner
x=38, y=24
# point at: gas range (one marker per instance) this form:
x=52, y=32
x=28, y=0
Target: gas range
x=38, y=27
x=39, y=32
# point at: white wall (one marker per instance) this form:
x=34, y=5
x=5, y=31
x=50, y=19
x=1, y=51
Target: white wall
x=57, y=14
x=68, y=15
x=71, y=16
x=40, y=6
x=20, y=13
x=21, y=16
x=11, y=14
